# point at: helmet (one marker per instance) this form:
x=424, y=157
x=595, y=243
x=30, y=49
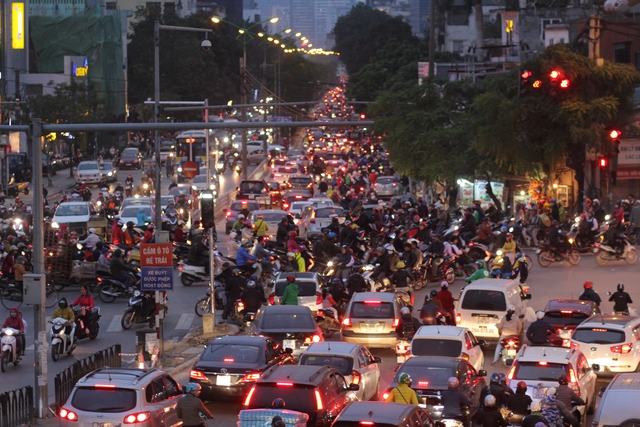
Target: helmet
x=336, y=282
x=117, y=253
x=291, y=254
x=244, y=242
x=404, y=379
x=444, y=284
x=503, y=377
x=226, y=265
x=150, y=227
x=551, y=391
x=130, y=224
x=236, y=272
x=563, y=380
x=129, y=175
x=291, y=279
x=489, y=400
x=453, y=382
x=240, y=216
x=92, y=230
x=292, y=234
x=251, y=284
x=405, y=310
x=620, y=287
x=535, y=407
x=588, y=285
x=480, y=263
x=13, y=248
x=332, y=235
x=400, y=264
x=277, y=421
x=495, y=377
x=278, y=403
x=433, y=293
x=192, y=387
x=63, y=303
x=540, y=315
x=521, y=385
x=511, y=308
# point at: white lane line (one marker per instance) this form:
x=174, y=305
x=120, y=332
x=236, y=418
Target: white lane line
x=114, y=326
x=185, y=321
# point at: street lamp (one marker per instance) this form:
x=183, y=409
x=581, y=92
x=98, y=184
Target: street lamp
x=244, y=32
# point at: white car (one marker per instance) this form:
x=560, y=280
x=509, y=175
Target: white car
x=271, y=216
x=622, y=393
x=200, y=183
x=309, y=293
x=282, y=174
x=610, y=341
x=89, y=173
x=130, y=213
x=386, y=186
x=452, y=341
x=354, y=361
x=314, y=219
x=72, y=212
x=136, y=201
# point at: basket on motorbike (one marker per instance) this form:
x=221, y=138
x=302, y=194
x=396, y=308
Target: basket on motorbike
x=83, y=270
x=264, y=202
x=262, y=417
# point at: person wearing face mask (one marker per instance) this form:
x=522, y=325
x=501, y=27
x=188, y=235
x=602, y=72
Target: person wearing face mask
x=15, y=321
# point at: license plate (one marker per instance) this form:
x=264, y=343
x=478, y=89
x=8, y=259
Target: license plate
x=539, y=393
x=485, y=320
x=511, y=352
x=104, y=425
x=128, y=164
x=223, y=380
x=252, y=196
x=289, y=344
x=565, y=333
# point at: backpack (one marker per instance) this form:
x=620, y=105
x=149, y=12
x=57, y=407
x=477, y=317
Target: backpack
x=408, y=329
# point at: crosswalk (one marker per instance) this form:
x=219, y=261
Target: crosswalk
x=185, y=322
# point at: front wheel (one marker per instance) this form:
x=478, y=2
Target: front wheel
x=450, y=276
x=631, y=257
x=10, y=298
x=327, y=330
x=528, y=262
x=55, y=352
x=203, y=306
x=128, y=320
x=4, y=361
x=574, y=257
x=107, y=297
x=601, y=258
x=543, y=258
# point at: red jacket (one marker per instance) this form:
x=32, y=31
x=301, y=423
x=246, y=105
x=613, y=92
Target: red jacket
x=116, y=234
x=83, y=301
x=179, y=235
x=446, y=299
x=14, y=322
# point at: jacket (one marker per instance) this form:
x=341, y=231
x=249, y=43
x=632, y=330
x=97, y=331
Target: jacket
x=403, y=394
x=14, y=322
x=537, y=332
x=188, y=408
x=116, y=234
x=621, y=301
x=490, y=416
x=243, y=257
x=452, y=401
x=253, y=298
x=300, y=262
x=290, y=295
x=446, y=299
x=591, y=295
x=260, y=227
x=520, y=402
x=84, y=301
x=232, y=248
x=510, y=327
x=65, y=313
x=19, y=272
x=234, y=286
x=481, y=273
x=566, y=395
x=118, y=266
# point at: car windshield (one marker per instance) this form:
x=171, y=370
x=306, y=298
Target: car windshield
x=385, y=180
x=372, y=310
x=251, y=187
x=136, y=201
x=269, y=216
x=542, y=371
x=598, y=336
x=130, y=155
x=298, y=398
x=231, y=353
x=297, y=206
x=273, y=321
x=328, y=211
x=344, y=364
x=88, y=166
x=424, y=376
x=484, y=300
x=305, y=289
x=132, y=211
x=103, y=399
x=565, y=317
x=72, y=210
x=106, y=166
x=435, y=347
x=199, y=178
x=250, y=206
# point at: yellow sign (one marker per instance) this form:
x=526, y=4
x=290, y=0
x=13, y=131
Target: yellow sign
x=509, y=26
x=17, y=25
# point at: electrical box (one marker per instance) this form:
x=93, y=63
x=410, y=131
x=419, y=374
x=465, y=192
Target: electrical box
x=162, y=236
x=33, y=288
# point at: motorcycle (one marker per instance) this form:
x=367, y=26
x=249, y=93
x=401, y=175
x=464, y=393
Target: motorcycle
x=9, y=346
x=242, y=316
x=435, y=269
x=128, y=190
x=605, y=253
x=111, y=288
x=326, y=320
x=221, y=167
x=172, y=219
x=510, y=347
x=203, y=305
x=142, y=309
x=118, y=197
x=548, y=255
x=91, y=323
x=440, y=318
x=238, y=168
x=190, y=274
x=402, y=350
x=61, y=342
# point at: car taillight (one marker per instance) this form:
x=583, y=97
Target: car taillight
x=402, y=347
x=423, y=383
x=573, y=381
x=623, y=348
x=228, y=214
x=512, y=371
x=314, y=338
x=396, y=322
x=566, y=343
x=284, y=384
x=197, y=375
x=356, y=377
x=140, y=417
x=319, y=405
x=180, y=267
x=346, y=322
x=251, y=377
x=386, y=394
x=272, y=298
x=318, y=298
x=458, y=318
x=99, y=279
x=68, y=415
x=247, y=401
x=367, y=423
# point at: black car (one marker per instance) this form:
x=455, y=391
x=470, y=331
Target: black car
x=319, y=391
x=230, y=365
x=429, y=375
x=293, y=326
x=360, y=414
x=250, y=189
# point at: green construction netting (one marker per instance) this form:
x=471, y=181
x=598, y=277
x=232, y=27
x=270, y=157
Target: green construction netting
x=90, y=34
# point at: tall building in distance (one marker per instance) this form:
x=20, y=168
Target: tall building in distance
x=419, y=16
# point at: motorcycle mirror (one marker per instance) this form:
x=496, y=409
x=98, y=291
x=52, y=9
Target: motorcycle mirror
x=608, y=293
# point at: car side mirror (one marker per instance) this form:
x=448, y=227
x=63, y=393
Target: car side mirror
x=482, y=343
x=527, y=296
x=595, y=367
x=482, y=373
x=377, y=359
x=354, y=387
x=288, y=350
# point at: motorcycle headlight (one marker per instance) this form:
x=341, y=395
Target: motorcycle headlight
x=61, y=332
x=330, y=263
x=179, y=168
x=9, y=332
x=17, y=221
x=145, y=186
x=55, y=225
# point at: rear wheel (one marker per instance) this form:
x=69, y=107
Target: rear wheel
x=11, y=297
x=203, y=306
x=574, y=257
x=601, y=258
x=105, y=297
x=543, y=259
x=450, y=276
x=128, y=320
x=631, y=257
x=93, y=332
x=51, y=296
x=186, y=281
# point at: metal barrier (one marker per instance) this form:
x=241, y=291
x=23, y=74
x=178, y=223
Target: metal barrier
x=16, y=407
x=66, y=380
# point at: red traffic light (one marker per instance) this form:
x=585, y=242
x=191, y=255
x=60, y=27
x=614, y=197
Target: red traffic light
x=555, y=74
x=602, y=162
x=526, y=74
x=615, y=134
x=537, y=84
x=564, y=83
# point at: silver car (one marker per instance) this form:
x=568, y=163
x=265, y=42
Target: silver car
x=386, y=186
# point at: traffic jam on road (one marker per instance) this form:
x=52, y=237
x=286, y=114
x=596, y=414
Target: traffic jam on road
x=358, y=304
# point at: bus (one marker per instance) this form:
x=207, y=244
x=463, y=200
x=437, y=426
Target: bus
x=191, y=146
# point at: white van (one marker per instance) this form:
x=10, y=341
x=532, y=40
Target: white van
x=620, y=396
x=481, y=304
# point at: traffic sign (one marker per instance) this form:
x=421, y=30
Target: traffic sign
x=156, y=260
x=190, y=169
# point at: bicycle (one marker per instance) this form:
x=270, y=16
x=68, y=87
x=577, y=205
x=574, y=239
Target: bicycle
x=11, y=296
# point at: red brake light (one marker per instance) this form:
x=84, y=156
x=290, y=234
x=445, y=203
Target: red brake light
x=372, y=301
x=283, y=384
x=575, y=346
x=251, y=377
x=318, y=298
x=197, y=375
x=228, y=360
x=319, y=405
x=458, y=318
x=68, y=415
x=566, y=311
x=385, y=395
x=272, y=299
x=566, y=343
x=423, y=383
x=396, y=322
x=367, y=423
x=623, y=349
x=228, y=213
x=511, y=342
x=249, y=395
x=99, y=279
x=542, y=363
x=356, y=377
x=512, y=371
x=346, y=322
x=105, y=385
x=140, y=417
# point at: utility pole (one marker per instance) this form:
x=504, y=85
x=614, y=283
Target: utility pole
x=432, y=37
x=243, y=93
x=594, y=38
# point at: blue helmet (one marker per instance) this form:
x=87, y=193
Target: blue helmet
x=332, y=235
x=495, y=377
x=192, y=387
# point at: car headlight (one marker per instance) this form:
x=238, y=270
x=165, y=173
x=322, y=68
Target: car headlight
x=179, y=168
x=110, y=174
x=212, y=187
x=145, y=186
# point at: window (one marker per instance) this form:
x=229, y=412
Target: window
x=622, y=52
x=365, y=310
x=544, y=23
x=156, y=391
x=341, y=363
x=361, y=360
x=484, y=300
x=153, y=8
x=169, y=8
x=436, y=347
x=112, y=5
x=564, y=318
x=598, y=336
x=636, y=332
x=231, y=352
x=581, y=366
x=415, y=420
x=458, y=17
x=98, y=399
x=302, y=322
x=172, y=387
x=271, y=351
x=457, y=46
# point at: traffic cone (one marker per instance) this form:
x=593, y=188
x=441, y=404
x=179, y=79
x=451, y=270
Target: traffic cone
x=141, y=364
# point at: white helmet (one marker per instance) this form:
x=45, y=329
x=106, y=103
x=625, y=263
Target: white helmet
x=511, y=309
x=540, y=315
x=551, y=391
x=92, y=230
x=405, y=310
x=453, y=382
x=291, y=254
x=240, y=216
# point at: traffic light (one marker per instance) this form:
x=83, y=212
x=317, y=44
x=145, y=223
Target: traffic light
x=603, y=162
x=615, y=134
x=525, y=81
x=206, y=209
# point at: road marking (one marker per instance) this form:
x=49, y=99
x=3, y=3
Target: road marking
x=185, y=321
x=114, y=326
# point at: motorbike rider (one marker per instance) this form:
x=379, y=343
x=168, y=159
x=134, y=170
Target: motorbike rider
x=296, y=261
x=170, y=210
x=589, y=294
x=403, y=393
x=65, y=312
x=446, y=298
x=119, y=188
x=486, y=236
x=343, y=262
x=91, y=239
x=199, y=254
x=118, y=268
x=15, y=321
x=130, y=238
x=117, y=235
x=85, y=302
x=436, y=247
x=179, y=235
x=19, y=271
x=148, y=235
x=453, y=400
x=489, y=414
x=283, y=230
x=509, y=246
x=290, y=294
x=9, y=262
x=400, y=278
x=569, y=398
x=129, y=180
x=509, y=325
x=190, y=407
x=252, y=297
x=539, y=330
x=621, y=300
x=429, y=312
x=612, y=237
x=481, y=272
x=554, y=410
x=467, y=226
x=233, y=288
x=557, y=239
x=408, y=325
x=408, y=256
x=244, y=260
x=520, y=402
x=496, y=389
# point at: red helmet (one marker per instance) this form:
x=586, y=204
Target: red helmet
x=521, y=385
x=588, y=285
x=292, y=234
